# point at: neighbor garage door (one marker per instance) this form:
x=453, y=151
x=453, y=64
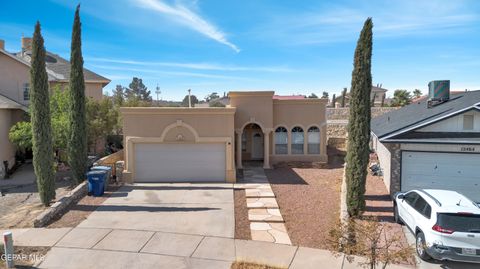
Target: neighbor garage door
x=179, y=162
x=450, y=171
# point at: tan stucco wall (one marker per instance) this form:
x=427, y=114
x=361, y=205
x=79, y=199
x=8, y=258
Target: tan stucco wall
x=252, y=107
x=304, y=113
x=92, y=89
x=8, y=117
x=214, y=125
x=163, y=125
x=269, y=113
x=13, y=75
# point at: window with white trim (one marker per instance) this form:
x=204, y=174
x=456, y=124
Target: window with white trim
x=281, y=140
x=297, y=140
x=313, y=140
x=26, y=91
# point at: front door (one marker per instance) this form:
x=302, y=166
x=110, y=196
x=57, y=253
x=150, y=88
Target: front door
x=257, y=146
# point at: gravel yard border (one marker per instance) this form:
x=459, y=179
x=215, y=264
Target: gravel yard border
x=61, y=205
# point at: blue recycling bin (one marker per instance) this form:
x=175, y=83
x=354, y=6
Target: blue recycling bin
x=108, y=169
x=96, y=182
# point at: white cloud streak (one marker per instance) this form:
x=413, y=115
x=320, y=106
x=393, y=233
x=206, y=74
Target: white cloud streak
x=391, y=19
x=188, y=18
x=195, y=66
x=169, y=73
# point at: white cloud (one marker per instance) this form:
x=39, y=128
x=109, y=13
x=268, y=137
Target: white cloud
x=185, y=16
x=151, y=72
x=195, y=66
x=328, y=24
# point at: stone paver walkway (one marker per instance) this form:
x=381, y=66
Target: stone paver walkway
x=266, y=221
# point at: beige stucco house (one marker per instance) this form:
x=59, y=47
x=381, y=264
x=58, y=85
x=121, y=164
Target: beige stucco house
x=208, y=144
x=14, y=89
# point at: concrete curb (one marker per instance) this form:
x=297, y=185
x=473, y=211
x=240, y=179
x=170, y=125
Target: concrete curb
x=59, y=207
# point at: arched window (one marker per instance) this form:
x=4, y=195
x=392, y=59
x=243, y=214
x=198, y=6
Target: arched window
x=313, y=140
x=281, y=140
x=297, y=140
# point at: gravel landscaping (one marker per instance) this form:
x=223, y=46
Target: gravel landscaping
x=309, y=200
x=242, y=224
x=20, y=203
x=78, y=212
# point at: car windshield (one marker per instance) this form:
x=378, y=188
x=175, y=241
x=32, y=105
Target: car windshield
x=459, y=222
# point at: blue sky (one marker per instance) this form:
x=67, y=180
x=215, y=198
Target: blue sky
x=292, y=47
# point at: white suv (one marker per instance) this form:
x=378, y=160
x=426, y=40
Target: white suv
x=446, y=224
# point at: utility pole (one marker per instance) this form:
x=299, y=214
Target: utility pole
x=189, y=99
x=158, y=92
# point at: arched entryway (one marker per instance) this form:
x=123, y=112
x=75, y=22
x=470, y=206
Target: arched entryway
x=252, y=146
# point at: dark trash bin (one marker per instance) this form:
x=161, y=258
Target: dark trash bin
x=96, y=182
x=107, y=169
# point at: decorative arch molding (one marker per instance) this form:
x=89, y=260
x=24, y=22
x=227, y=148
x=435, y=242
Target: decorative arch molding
x=179, y=123
x=297, y=125
x=252, y=122
x=314, y=125
x=280, y=125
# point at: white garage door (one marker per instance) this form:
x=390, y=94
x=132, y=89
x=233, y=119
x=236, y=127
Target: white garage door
x=179, y=162
x=450, y=171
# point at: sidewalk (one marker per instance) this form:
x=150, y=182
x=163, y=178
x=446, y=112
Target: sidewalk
x=116, y=248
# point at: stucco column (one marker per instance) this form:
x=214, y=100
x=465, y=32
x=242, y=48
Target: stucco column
x=266, y=149
x=323, y=139
x=289, y=142
x=305, y=142
x=239, y=149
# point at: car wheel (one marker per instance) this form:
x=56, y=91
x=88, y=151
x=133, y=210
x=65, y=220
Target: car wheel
x=395, y=214
x=421, y=247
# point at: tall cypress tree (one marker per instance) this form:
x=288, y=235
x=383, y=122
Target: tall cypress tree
x=77, y=147
x=40, y=118
x=359, y=123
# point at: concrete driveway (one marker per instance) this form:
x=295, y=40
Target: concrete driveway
x=153, y=226
x=199, y=209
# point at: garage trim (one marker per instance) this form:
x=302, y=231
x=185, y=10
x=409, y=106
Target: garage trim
x=426, y=151
x=132, y=140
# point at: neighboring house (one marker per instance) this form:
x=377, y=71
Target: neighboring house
x=15, y=86
x=207, y=144
x=223, y=100
x=11, y=112
x=437, y=146
x=377, y=91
